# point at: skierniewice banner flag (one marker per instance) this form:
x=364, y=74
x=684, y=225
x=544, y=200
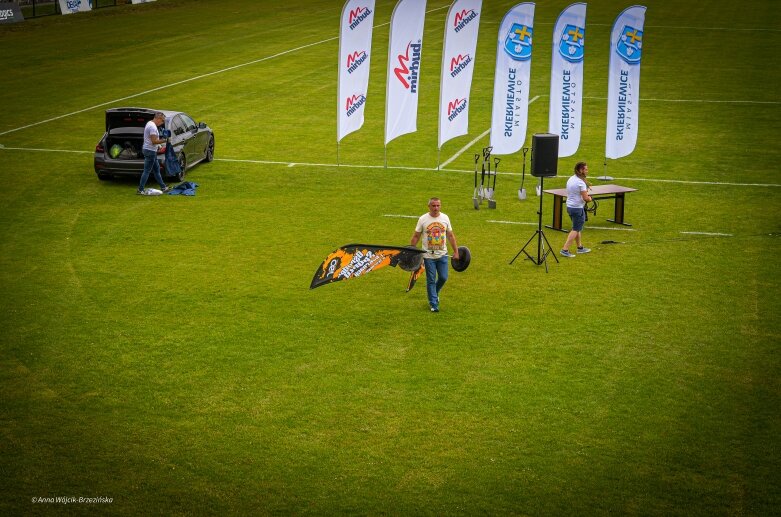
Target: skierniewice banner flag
x=511, y=81
x=566, y=83
x=404, y=51
x=355, y=43
x=75, y=6
x=458, y=57
x=623, y=91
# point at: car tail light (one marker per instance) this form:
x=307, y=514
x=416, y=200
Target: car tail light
x=99, y=149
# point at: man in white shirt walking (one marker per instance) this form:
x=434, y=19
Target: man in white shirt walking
x=577, y=197
x=437, y=232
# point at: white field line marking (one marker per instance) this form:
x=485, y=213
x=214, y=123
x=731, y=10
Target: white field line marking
x=590, y=227
x=511, y=222
x=399, y=167
x=194, y=78
x=709, y=233
x=688, y=182
x=400, y=215
x=463, y=149
x=43, y=150
x=612, y=229
x=473, y=142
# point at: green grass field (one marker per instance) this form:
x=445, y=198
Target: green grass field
x=166, y=353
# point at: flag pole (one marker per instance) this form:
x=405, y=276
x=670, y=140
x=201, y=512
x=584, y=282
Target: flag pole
x=605, y=177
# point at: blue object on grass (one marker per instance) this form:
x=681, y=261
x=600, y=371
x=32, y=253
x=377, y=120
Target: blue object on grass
x=185, y=189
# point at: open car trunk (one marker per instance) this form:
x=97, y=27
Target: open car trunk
x=124, y=147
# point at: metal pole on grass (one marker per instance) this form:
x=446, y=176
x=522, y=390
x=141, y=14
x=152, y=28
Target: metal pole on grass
x=605, y=177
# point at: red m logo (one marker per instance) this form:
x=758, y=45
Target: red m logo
x=352, y=58
x=352, y=100
x=457, y=61
x=355, y=13
x=402, y=70
x=454, y=104
x=460, y=16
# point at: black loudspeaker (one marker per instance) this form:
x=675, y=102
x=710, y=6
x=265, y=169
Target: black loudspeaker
x=545, y=155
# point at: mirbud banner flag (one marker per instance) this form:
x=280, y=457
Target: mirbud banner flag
x=355, y=42
x=458, y=56
x=404, y=51
x=566, y=83
x=74, y=6
x=623, y=91
x=511, y=80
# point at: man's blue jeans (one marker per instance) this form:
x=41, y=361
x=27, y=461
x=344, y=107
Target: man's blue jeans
x=436, y=276
x=150, y=165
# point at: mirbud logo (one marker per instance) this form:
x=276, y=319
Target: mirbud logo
x=354, y=103
x=459, y=63
x=355, y=60
x=454, y=108
x=357, y=16
x=463, y=19
x=407, y=71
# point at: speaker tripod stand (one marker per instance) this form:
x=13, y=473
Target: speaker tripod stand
x=542, y=240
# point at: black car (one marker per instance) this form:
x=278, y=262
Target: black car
x=119, y=151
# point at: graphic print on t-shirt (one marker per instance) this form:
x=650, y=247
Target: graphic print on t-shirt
x=435, y=233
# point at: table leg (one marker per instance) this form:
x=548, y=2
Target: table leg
x=558, y=202
x=618, y=211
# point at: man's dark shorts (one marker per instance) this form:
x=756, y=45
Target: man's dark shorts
x=578, y=216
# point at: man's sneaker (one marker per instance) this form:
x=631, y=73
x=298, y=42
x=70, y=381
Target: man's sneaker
x=140, y=192
x=566, y=253
x=581, y=249
x=434, y=309
x=167, y=188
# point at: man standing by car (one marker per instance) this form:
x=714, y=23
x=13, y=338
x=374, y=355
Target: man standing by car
x=151, y=141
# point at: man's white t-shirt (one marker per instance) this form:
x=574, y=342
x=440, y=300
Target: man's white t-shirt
x=149, y=130
x=433, y=231
x=575, y=186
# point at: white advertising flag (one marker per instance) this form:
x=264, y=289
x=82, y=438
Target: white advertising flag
x=511, y=81
x=458, y=56
x=566, y=82
x=404, y=51
x=355, y=42
x=74, y=6
x=623, y=91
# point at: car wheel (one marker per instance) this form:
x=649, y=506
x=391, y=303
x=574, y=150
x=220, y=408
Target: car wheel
x=183, y=164
x=210, y=150
x=102, y=176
